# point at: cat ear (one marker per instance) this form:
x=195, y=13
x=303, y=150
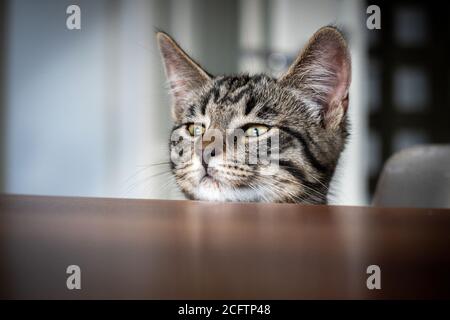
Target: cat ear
x=183, y=73
x=322, y=72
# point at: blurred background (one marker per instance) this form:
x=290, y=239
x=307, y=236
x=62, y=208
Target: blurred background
x=86, y=112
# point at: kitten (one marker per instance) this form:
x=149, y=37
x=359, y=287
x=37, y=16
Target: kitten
x=306, y=109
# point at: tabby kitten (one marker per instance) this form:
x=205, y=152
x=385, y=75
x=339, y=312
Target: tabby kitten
x=306, y=109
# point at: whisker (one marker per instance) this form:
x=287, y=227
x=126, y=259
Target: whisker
x=146, y=179
x=142, y=168
x=168, y=183
x=321, y=194
x=155, y=164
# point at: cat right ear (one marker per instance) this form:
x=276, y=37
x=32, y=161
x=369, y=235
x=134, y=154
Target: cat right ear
x=183, y=73
x=322, y=72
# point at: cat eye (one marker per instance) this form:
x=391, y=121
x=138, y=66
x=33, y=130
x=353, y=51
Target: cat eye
x=256, y=130
x=196, y=130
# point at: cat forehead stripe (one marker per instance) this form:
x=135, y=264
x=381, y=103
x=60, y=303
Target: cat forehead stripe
x=230, y=90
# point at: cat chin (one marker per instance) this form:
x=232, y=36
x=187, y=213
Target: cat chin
x=222, y=194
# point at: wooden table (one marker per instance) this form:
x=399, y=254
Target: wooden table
x=188, y=250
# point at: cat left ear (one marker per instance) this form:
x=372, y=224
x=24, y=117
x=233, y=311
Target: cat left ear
x=183, y=73
x=322, y=72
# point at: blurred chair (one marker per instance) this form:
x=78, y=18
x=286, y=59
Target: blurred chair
x=416, y=177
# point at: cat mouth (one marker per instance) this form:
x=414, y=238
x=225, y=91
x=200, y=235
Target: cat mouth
x=209, y=180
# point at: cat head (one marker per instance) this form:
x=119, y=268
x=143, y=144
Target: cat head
x=221, y=123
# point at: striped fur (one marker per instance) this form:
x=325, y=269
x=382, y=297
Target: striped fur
x=307, y=106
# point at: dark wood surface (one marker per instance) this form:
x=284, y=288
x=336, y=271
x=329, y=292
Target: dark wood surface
x=189, y=250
